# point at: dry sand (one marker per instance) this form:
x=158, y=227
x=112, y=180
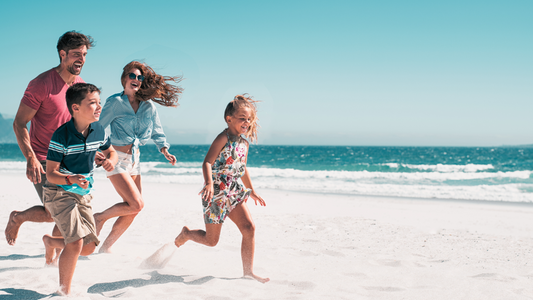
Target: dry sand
x=312, y=246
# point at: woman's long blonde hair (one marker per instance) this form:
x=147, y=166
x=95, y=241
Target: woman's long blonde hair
x=240, y=101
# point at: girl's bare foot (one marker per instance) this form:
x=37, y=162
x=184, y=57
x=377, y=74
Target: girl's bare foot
x=12, y=228
x=253, y=276
x=182, y=237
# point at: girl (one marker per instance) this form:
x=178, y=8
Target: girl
x=133, y=118
x=223, y=196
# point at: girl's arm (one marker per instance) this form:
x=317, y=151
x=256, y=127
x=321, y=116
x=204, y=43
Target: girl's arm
x=53, y=175
x=247, y=181
x=210, y=157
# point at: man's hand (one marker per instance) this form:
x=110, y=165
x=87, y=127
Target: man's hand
x=34, y=169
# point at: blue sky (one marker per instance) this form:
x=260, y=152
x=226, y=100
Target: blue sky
x=435, y=73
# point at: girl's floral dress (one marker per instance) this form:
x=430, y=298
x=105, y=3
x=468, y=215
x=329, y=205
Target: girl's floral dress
x=228, y=192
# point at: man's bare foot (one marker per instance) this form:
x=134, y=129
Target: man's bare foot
x=99, y=223
x=50, y=250
x=12, y=228
x=182, y=237
x=253, y=276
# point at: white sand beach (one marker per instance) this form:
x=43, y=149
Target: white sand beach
x=311, y=246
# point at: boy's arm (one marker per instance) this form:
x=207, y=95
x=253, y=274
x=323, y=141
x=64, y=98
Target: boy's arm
x=54, y=176
x=111, y=159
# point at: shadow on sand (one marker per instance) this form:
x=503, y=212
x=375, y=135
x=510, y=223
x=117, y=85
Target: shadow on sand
x=21, y=294
x=155, y=278
x=19, y=257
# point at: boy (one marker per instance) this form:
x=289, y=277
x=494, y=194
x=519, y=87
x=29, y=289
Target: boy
x=67, y=193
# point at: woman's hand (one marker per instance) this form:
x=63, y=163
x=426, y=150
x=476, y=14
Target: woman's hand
x=256, y=198
x=171, y=158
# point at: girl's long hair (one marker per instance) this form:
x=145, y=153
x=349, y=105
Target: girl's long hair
x=160, y=89
x=240, y=101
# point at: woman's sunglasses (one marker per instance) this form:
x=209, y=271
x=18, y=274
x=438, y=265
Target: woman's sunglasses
x=139, y=77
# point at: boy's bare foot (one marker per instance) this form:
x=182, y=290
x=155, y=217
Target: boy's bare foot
x=182, y=237
x=12, y=228
x=253, y=276
x=98, y=222
x=50, y=250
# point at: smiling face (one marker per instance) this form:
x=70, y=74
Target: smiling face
x=74, y=59
x=131, y=86
x=89, y=109
x=240, y=121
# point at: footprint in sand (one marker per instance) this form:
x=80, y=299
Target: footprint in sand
x=387, y=262
x=383, y=288
x=494, y=276
x=302, y=285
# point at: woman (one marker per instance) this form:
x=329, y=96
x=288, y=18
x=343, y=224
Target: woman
x=133, y=118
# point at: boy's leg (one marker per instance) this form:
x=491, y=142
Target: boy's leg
x=209, y=237
x=67, y=264
x=241, y=216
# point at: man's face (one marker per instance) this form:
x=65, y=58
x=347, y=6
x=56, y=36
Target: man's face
x=74, y=59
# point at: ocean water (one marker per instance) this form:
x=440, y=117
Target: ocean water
x=473, y=173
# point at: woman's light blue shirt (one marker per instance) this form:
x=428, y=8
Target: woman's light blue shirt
x=128, y=127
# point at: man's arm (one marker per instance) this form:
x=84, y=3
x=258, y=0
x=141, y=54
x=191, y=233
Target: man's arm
x=34, y=169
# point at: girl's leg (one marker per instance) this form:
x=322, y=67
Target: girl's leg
x=129, y=188
x=209, y=237
x=243, y=219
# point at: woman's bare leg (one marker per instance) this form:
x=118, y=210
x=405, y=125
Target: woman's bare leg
x=129, y=188
x=243, y=219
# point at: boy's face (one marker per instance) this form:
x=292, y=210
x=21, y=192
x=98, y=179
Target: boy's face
x=89, y=108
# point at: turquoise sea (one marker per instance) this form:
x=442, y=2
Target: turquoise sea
x=474, y=173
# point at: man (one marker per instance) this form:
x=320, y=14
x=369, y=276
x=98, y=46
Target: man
x=45, y=106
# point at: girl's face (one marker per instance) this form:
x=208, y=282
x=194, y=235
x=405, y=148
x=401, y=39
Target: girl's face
x=240, y=121
x=133, y=82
